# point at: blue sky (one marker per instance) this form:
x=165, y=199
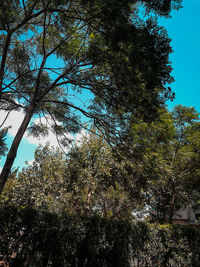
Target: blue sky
x=184, y=30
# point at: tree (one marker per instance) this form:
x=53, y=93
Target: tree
x=97, y=179
x=89, y=181
x=101, y=47
x=168, y=152
x=40, y=185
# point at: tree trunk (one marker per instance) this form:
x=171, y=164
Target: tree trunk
x=172, y=204
x=89, y=194
x=3, y=60
x=14, y=147
x=104, y=205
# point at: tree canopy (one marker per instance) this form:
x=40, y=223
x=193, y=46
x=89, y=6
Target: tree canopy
x=158, y=174
x=166, y=152
x=54, y=52
x=89, y=181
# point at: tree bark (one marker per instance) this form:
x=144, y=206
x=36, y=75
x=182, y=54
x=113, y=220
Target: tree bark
x=89, y=194
x=104, y=205
x=14, y=147
x=3, y=61
x=172, y=204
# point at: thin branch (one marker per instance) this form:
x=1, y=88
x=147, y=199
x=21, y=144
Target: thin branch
x=63, y=11
x=87, y=114
x=24, y=6
x=96, y=119
x=52, y=117
x=5, y=118
x=16, y=92
x=81, y=125
x=12, y=102
x=29, y=71
x=44, y=34
x=28, y=19
x=3, y=61
x=37, y=83
x=54, y=84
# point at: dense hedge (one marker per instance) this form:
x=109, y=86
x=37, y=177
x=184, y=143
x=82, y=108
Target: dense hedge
x=34, y=238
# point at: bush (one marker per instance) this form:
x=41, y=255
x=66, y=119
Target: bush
x=38, y=238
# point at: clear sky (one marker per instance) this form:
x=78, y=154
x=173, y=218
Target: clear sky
x=184, y=30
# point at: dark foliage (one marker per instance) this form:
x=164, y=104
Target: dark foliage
x=33, y=238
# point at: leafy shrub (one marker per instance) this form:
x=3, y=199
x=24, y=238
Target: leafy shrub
x=37, y=238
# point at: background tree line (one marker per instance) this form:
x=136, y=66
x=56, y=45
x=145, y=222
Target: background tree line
x=156, y=171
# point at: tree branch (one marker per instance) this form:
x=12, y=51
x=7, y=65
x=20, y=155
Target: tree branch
x=3, y=61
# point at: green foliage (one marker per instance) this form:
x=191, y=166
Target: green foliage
x=168, y=153
x=101, y=47
x=42, y=185
x=98, y=47
x=3, y=146
x=157, y=173
x=89, y=180
x=45, y=239
x=162, y=7
x=96, y=179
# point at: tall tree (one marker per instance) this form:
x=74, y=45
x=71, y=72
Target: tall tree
x=168, y=152
x=97, y=179
x=54, y=51
x=89, y=181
